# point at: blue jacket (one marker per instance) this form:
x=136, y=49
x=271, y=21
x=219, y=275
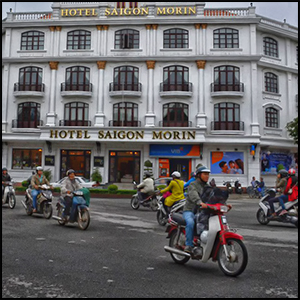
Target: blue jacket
x=189, y=182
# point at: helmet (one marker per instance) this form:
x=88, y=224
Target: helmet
x=147, y=174
x=176, y=174
x=292, y=172
x=39, y=168
x=70, y=172
x=202, y=169
x=283, y=173
x=4, y=169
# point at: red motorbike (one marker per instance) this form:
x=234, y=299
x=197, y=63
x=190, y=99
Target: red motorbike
x=218, y=242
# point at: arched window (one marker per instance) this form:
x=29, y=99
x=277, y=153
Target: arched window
x=79, y=39
x=175, y=115
x=30, y=79
x=176, y=78
x=227, y=117
x=226, y=38
x=76, y=114
x=28, y=115
x=227, y=78
x=127, y=39
x=32, y=40
x=126, y=78
x=176, y=38
x=271, y=83
x=125, y=114
x=270, y=47
x=272, y=117
x=78, y=79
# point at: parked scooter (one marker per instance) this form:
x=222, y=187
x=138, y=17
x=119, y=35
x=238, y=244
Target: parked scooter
x=9, y=195
x=228, y=185
x=79, y=211
x=43, y=202
x=263, y=212
x=151, y=201
x=238, y=187
x=162, y=216
x=218, y=242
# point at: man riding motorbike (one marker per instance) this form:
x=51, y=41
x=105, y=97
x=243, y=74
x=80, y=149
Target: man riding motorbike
x=281, y=181
x=195, y=189
x=5, y=178
x=147, y=186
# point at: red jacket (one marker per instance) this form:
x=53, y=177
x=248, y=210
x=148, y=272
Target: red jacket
x=294, y=186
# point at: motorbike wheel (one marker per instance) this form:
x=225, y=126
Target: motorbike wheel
x=29, y=209
x=47, y=210
x=84, y=222
x=154, y=204
x=237, y=262
x=161, y=218
x=179, y=259
x=135, y=203
x=261, y=218
x=59, y=214
x=12, y=201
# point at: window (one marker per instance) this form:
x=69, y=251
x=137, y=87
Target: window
x=127, y=39
x=226, y=38
x=176, y=38
x=28, y=115
x=175, y=115
x=30, y=79
x=78, y=79
x=27, y=159
x=227, y=78
x=32, y=40
x=272, y=117
x=270, y=47
x=126, y=78
x=125, y=114
x=76, y=114
x=176, y=78
x=271, y=83
x=79, y=39
x=227, y=117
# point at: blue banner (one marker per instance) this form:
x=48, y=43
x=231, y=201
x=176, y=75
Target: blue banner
x=175, y=150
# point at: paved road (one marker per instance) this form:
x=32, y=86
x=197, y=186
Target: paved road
x=121, y=255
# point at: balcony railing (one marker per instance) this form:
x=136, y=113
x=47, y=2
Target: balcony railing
x=184, y=87
x=75, y=123
x=228, y=126
x=175, y=124
x=116, y=87
x=239, y=87
x=67, y=87
x=124, y=123
x=29, y=87
x=27, y=124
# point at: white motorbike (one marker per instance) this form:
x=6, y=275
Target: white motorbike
x=9, y=195
x=263, y=212
x=162, y=216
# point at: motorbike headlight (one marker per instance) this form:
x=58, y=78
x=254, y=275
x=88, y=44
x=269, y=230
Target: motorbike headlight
x=224, y=208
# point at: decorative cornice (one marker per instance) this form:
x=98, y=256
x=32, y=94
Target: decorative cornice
x=101, y=65
x=53, y=65
x=151, y=64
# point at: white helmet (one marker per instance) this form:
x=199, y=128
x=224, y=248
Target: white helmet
x=39, y=168
x=176, y=174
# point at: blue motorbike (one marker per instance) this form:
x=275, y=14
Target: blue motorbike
x=79, y=211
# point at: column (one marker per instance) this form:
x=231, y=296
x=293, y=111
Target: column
x=104, y=41
x=51, y=115
x=148, y=42
x=197, y=45
x=150, y=116
x=100, y=116
x=99, y=40
x=204, y=27
x=255, y=104
x=5, y=92
x=52, y=29
x=155, y=26
x=58, y=30
x=201, y=116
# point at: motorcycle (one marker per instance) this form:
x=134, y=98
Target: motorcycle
x=151, y=201
x=218, y=242
x=228, y=185
x=212, y=183
x=238, y=187
x=9, y=195
x=162, y=216
x=79, y=211
x=44, y=199
x=263, y=212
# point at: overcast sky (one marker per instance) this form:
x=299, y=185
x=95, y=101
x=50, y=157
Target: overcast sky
x=273, y=10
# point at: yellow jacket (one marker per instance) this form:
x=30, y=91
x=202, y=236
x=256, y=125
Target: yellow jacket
x=176, y=188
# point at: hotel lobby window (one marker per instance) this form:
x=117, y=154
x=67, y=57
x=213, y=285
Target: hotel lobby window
x=27, y=159
x=79, y=39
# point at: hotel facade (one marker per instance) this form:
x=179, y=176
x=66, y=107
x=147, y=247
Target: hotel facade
x=131, y=86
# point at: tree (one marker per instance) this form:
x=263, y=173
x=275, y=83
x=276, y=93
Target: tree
x=292, y=128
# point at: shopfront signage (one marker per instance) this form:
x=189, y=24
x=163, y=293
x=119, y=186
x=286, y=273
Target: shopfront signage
x=79, y=12
x=175, y=150
x=122, y=135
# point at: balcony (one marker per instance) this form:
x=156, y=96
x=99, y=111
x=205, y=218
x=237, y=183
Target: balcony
x=72, y=90
x=175, y=124
x=125, y=90
x=221, y=90
x=228, y=127
x=72, y=123
x=29, y=90
x=124, y=123
x=27, y=124
x=176, y=90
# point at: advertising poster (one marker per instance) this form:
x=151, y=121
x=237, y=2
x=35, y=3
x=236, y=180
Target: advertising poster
x=271, y=163
x=227, y=163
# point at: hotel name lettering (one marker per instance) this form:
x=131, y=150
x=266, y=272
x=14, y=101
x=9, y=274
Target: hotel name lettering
x=122, y=135
x=92, y=12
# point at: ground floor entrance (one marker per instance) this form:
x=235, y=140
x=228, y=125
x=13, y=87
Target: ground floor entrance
x=78, y=160
x=168, y=165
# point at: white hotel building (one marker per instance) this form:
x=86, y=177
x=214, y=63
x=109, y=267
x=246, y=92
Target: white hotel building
x=117, y=84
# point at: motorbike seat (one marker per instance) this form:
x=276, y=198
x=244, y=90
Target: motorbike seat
x=178, y=218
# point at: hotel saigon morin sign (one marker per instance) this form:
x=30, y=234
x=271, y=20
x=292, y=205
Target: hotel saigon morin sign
x=86, y=12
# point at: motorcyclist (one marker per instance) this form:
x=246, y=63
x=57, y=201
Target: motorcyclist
x=69, y=185
x=281, y=181
x=193, y=199
x=37, y=180
x=193, y=178
x=5, y=178
x=146, y=187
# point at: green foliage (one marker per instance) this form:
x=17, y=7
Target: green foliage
x=292, y=128
x=96, y=176
x=25, y=183
x=112, y=189
x=280, y=167
x=48, y=174
x=148, y=164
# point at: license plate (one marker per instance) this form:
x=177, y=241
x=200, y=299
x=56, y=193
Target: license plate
x=224, y=220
